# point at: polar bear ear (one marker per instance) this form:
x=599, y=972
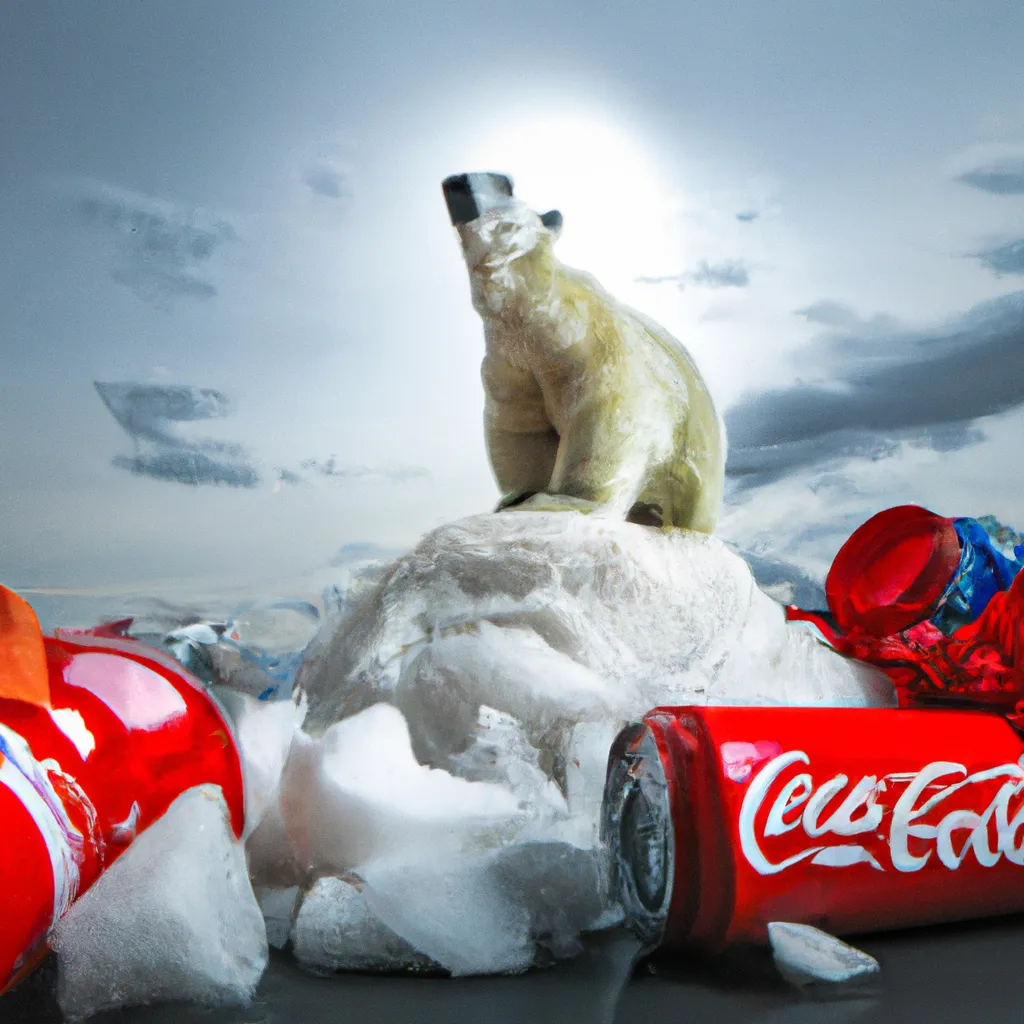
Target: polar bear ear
x=552, y=220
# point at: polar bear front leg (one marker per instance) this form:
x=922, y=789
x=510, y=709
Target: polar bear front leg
x=522, y=462
x=521, y=441
x=600, y=467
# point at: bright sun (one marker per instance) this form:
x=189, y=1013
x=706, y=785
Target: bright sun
x=620, y=213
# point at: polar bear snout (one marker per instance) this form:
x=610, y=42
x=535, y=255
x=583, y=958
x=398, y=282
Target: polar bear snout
x=469, y=196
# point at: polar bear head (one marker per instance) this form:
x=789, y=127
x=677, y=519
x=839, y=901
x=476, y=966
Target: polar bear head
x=508, y=247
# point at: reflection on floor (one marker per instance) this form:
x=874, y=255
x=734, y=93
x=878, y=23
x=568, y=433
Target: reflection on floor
x=949, y=974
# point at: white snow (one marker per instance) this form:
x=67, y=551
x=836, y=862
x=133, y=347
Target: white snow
x=438, y=807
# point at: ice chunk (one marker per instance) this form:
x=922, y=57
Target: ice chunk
x=586, y=762
x=337, y=931
x=501, y=753
x=560, y=886
x=276, y=625
x=467, y=871
x=273, y=859
x=806, y=955
x=453, y=909
x=485, y=913
x=174, y=918
x=359, y=794
x=278, y=907
x=263, y=732
x=443, y=687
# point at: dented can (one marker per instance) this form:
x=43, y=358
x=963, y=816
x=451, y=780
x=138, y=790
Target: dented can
x=124, y=732
x=719, y=820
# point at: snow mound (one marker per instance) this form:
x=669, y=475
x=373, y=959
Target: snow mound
x=460, y=718
x=562, y=618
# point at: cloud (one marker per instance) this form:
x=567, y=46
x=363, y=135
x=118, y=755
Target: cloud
x=678, y=279
x=331, y=468
x=998, y=170
x=746, y=216
x=1002, y=181
x=728, y=274
x=731, y=274
x=163, y=250
x=883, y=386
x=836, y=314
x=1004, y=259
x=146, y=412
x=157, y=287
x=192, y=468
x=328, y=179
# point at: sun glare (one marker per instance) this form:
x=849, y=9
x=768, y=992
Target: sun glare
x=619, y=211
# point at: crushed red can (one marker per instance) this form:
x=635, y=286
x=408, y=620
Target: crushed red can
x=719, y=820
x=99, y=735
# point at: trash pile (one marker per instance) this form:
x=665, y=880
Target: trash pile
x=411, y=775
x=428, y=795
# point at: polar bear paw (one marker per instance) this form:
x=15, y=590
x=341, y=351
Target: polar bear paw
x=543, y=502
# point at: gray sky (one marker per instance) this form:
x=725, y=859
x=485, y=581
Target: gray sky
x=237, y=207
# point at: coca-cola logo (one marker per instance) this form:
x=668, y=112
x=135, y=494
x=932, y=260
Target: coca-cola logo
x=964, y=818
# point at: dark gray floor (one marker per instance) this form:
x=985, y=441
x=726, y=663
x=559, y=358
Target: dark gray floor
x=960, y=973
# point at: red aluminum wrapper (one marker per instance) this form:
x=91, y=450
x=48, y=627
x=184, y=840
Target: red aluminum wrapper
x=719, y=820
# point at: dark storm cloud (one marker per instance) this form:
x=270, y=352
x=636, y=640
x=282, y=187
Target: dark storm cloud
x=146, y=412
x=192, y=468
x=885, y=386
x=1003, y=177
x=328, y=179
x=728, y=274
x=163, y=249
x=1004, y=259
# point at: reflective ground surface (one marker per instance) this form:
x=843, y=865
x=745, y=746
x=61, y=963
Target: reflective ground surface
x=956, y=973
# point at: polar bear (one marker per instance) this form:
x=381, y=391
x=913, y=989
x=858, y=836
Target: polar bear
x=589, y=405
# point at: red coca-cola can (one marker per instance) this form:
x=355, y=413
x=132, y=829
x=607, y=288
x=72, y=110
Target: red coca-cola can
x=123, y=731
x=718, y=820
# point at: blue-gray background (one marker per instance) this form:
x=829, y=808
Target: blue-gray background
x=825, y=202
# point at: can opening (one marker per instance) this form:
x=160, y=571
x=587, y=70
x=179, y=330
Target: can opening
x=637, y=830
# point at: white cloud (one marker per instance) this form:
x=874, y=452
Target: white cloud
x=162, y=251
